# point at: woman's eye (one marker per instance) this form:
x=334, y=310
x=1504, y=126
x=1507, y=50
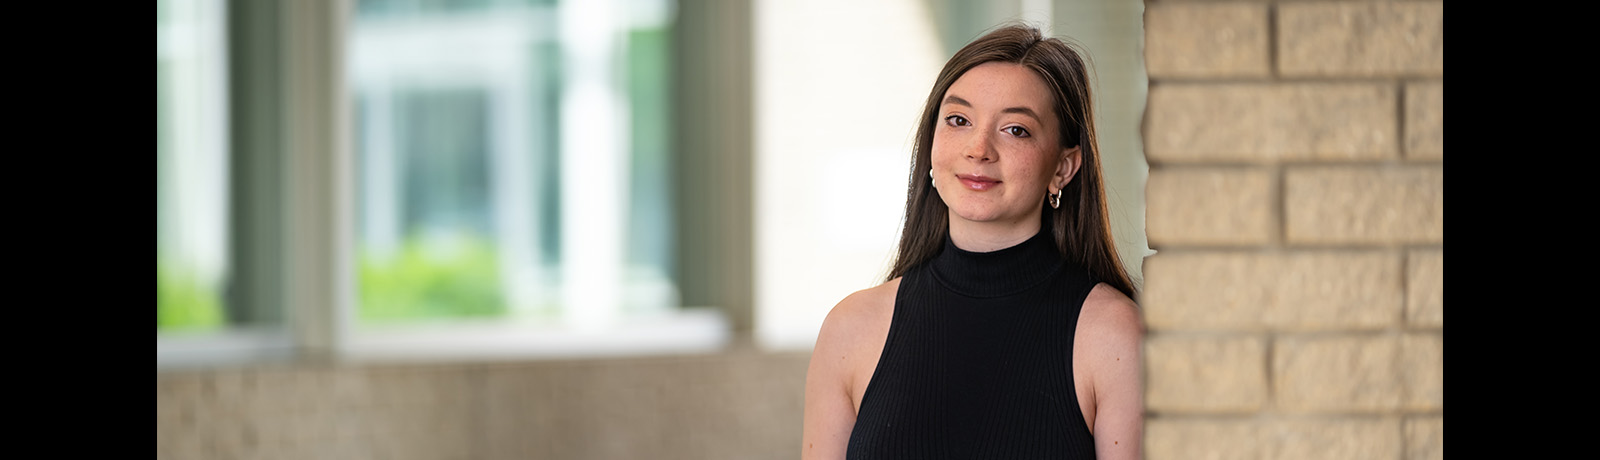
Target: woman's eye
x=956, y=120
x=1017, y=131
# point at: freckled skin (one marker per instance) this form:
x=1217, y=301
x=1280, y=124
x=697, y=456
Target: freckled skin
x=997, y=122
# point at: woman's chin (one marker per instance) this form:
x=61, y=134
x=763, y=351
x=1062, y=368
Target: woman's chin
x=981, y=216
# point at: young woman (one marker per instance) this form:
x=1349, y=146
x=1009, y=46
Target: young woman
x=1006, y=328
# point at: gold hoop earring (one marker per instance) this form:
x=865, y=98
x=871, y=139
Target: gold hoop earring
x=1055, y=199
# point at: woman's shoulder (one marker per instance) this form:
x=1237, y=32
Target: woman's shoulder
x=1110, y=314
x=851, y=339
x=860, y=313
x=1108, y=340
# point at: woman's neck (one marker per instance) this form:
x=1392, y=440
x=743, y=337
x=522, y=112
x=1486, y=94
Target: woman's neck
x=992, y=236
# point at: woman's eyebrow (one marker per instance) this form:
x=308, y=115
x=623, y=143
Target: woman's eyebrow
x=1022, y=110
x=953, y=99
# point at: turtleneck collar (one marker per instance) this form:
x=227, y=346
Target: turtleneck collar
x=999, y=273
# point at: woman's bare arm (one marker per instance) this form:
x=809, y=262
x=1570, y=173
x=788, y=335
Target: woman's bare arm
x=1108, y=344
x=829, y=413
x=847, y=351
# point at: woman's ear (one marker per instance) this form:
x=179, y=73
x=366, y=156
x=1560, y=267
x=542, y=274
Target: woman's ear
x=1071, y=159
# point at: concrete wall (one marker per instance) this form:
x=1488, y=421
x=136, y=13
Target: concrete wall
x=735, y=405
x=1296, y=198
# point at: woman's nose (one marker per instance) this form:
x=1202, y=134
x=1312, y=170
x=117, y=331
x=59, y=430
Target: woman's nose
x=980, y=147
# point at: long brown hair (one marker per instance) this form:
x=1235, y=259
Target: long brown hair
x=1081, y=226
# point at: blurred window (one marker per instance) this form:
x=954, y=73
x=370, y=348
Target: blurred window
x=191, y=169
x=512, y=161
x=210, y=307
x=510, y=174
x=216, y=286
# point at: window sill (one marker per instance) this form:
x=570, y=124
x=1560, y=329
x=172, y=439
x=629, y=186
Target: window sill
x=684, y=331
x=223, y=348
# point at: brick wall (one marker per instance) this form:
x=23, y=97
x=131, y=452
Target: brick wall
x=1296, y=198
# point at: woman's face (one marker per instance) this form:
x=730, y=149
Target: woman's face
x=996, y=149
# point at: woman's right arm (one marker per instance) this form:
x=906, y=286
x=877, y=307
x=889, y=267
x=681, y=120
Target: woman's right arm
x=830, y=412
x=841, y=365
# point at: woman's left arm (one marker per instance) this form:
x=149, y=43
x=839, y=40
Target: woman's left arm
x=1111, y=336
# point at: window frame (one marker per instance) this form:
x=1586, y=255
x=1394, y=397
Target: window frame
x=306, y=127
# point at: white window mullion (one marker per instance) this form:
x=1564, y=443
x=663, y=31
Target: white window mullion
x=594, y=166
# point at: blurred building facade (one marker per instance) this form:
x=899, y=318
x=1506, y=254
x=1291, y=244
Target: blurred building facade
x=1295, y=308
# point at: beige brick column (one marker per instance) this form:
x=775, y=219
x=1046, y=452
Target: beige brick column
x=1296, y=200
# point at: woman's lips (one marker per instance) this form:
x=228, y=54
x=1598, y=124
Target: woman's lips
x=977, y=182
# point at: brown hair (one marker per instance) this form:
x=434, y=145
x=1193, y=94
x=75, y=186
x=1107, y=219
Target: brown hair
x=1081, y=226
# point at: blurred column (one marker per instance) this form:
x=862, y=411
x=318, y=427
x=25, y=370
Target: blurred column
x=594, y=164
x=713, y=127
x=319, y=203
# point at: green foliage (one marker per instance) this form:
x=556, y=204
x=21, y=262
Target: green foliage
x=183, y=302
x=426, y=282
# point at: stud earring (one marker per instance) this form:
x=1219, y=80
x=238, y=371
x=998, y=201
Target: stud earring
x=931, y=180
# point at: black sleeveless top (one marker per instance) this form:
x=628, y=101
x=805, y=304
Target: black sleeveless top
x=978, y=361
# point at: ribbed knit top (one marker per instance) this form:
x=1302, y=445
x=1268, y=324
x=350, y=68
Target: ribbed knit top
x=978, y=361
